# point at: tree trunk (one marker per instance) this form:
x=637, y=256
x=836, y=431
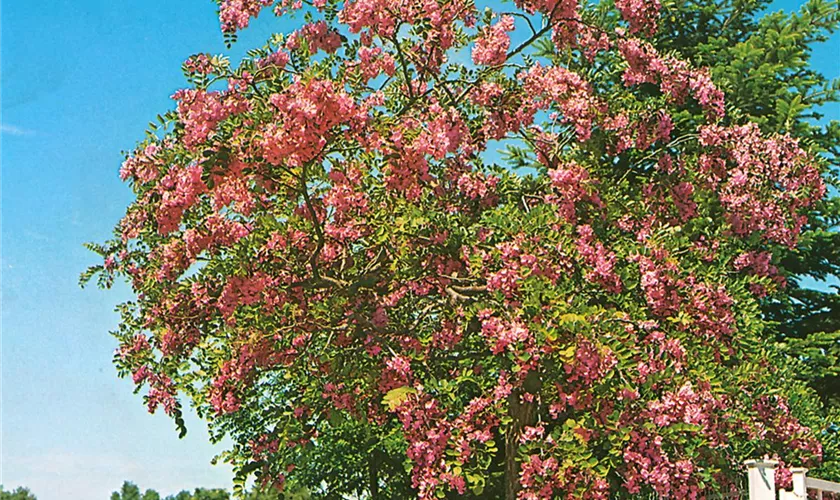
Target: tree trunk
x=523, y=413
x=373, y=471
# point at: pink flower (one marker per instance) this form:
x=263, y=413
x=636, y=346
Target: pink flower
x=318, y=36
x=596, y=255
x=573, y=185
x=641, y=14
x=505, y=281
x=502, y=334
x=762, y=182
x=179, y=190
x=707, y=94
x=236, y=14
x=198, y=64
x=279, y=58
x=559, y=86
x=201, y=111
x=491, y=47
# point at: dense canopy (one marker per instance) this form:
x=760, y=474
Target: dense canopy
x=448, y=248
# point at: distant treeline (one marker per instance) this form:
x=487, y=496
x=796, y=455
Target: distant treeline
x=131, y=491
x=18, y=494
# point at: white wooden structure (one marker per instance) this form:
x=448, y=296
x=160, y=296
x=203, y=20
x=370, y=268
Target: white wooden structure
x=761, y=475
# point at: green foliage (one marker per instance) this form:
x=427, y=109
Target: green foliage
x=130, y=491
x=19, y=493
x=763, y=63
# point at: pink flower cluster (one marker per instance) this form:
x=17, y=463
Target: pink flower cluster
x=762, y=183
x=448, y=335
x=641, y=14
x=539, y=478
x=478, y=186
x=505, y=280
x=476, y=424
x=346, y=195
x=236, y=14
x=380, y=17
x=711, y=309
x=601, y=260
x=236, y=373
x=264, y=446
x=573, y=185
x=133, y=223
x=674, y=76
x=140, y=346
x=682, y=196
x=707, y=94
x=685, y=405
x=646, y=462
x=279, y=58
x=562, y=9
x=318, y=36
x=201, y=111
x=589, y=39
x=660, y=286
x=427, y=432
x=504, y=112
x=373, y=61
x=639, y=133
x=341, y=396
x=774, y=421
x=179, y=190
x=306, y=114
x=591, y=363
x=199, y=64
x=143, y=166
x=502, y=334
x=667, y=294
x=558, y=86
x=242, y=291
x=396, y=373
x=444, y=133
x=161, y=391
x=759, y=264
x=233, y=189
x=180, y=253
x=491, y=47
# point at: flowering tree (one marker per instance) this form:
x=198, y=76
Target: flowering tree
x=336, y=269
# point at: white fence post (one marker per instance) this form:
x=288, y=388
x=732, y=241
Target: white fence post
x=798, y=476
x=761, y=475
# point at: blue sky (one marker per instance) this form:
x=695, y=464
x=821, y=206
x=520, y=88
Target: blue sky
x=80, y=81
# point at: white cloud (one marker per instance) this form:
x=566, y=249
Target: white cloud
x=13, y=130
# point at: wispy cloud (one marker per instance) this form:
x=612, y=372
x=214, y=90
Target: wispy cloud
x=13, y=130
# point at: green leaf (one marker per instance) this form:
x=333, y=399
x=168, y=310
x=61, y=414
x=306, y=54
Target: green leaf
x=395, y=397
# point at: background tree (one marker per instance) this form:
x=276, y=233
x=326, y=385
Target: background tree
x=762, y=62
x=151, y=495
x=19, y=493
x=130, y=491
x=337, y=274
x=202, y=494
